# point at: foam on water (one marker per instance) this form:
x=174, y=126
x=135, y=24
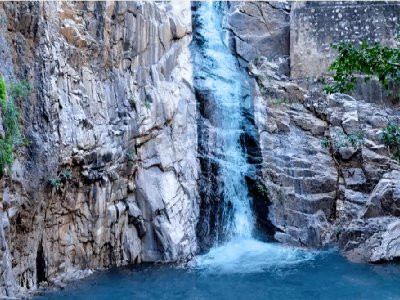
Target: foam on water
x=250, y=256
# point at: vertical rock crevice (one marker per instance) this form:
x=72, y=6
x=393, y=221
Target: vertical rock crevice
x=41, y=275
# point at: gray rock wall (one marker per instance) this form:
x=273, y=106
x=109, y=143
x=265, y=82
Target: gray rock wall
x=327, y=194
x=112, y=116
x=258, y=29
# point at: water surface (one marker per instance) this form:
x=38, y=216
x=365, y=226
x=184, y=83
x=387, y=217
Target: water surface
x=323, y=275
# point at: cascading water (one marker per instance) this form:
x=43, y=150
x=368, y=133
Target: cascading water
x=224, y=93
x=228, y=89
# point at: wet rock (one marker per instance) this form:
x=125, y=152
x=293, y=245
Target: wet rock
x=373, y=240
x=389, y=244
x=354, y=240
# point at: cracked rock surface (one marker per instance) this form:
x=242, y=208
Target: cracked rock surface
x=112, y=117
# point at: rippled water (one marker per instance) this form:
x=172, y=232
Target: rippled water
x=287, y=274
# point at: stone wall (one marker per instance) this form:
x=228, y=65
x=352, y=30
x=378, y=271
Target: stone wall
x=316, y=25
x=112, y=117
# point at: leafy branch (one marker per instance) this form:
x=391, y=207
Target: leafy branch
x=64, y=176
x=369, y=60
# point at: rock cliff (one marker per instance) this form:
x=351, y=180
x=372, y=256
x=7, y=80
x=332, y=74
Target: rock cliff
x=109, y=177
x=110, y=172
x=318, y=196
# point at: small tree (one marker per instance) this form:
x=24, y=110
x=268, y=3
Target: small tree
x=334, y=144
x=369, y=60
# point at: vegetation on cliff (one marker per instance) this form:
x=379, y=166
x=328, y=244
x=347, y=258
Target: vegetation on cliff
x=10, y=119
x=368, y=60
x=391, y=139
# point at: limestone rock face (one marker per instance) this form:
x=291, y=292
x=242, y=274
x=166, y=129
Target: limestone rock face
x=374, y=240
x=6, y=276
x=110, y=176
x=376, y=236
x=299, y=173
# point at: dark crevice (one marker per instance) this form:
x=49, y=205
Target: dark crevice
x=250, y=142
x=40, y=265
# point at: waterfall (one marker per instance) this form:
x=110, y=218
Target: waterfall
x=223, y=92
x=221, y=78
x=229, y=89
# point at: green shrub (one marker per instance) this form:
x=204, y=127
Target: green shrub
x=6, y=156
x=396, y=155
x=130, y=157
x=3, y=92
x=325, y=142
x=11, y=121
x=20, y=89
x=258, y=60
x=261, y=189
x=3, y=20
x=369, y=60
x=391, y=138
x=67, y=174
x=10, y=116
x=391, y=135
x=356, y=139
x=56, y=183
x=340, y=140
x=63, y=176
x=148, y=102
